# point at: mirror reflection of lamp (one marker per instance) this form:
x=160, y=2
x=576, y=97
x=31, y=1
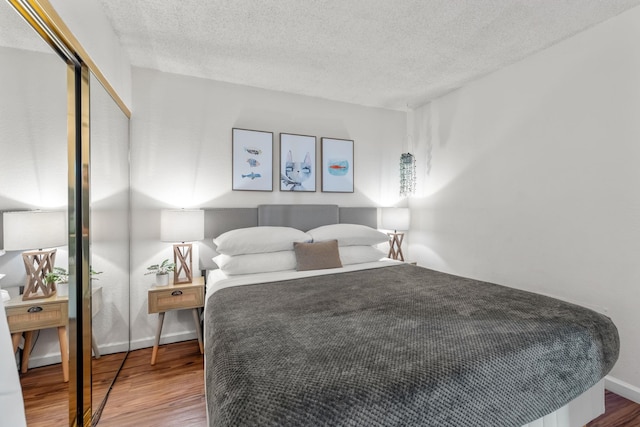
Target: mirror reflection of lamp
x=395, y=219
x=32, y=231
x=182, y=225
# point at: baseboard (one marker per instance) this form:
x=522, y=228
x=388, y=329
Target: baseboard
x=44, y=360
x=166, y=339
x=54, y=357
x=113, y=348
x=622, y=388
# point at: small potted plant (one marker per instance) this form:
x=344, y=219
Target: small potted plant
x=60, y=277
x=56, y=276
x=162, y=272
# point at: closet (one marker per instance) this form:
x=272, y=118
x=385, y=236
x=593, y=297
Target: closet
x=64, y=144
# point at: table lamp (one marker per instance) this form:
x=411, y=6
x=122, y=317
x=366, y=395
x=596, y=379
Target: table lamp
x=182, y=225
x=29, y=230
x=395, y=219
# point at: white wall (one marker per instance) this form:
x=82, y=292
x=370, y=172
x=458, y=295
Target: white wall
x=529, y=178
x=181, y=157
x=89, y=24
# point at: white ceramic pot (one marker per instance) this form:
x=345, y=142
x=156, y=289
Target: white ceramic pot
x=63, y=289
x=162, y=279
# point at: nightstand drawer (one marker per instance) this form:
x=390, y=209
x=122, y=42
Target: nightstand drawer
x=176, y=298
x=37, y=316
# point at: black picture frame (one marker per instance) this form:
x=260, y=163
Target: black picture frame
x=297, y=163
x=337, y=162
x=252, y=160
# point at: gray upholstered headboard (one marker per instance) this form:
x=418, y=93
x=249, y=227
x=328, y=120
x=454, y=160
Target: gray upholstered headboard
x=302, y=217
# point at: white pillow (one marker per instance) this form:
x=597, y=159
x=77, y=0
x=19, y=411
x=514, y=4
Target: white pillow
x=360, y=254
x=349, y=234
x=256, y=263
x=255, y=240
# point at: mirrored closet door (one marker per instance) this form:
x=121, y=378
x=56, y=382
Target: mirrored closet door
x=109, y=223
x=34, y=175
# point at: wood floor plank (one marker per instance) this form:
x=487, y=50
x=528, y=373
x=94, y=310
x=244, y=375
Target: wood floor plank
x=619, y=412
x=171, y=393
x=46, y=396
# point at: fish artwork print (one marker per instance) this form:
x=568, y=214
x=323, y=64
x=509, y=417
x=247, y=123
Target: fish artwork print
x=254, y=151
x=253, y=163
x=296, y=173
x=252, y=175
x=338, y=167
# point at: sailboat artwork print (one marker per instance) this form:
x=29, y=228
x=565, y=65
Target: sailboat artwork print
x=337, y=165
x=252, y=160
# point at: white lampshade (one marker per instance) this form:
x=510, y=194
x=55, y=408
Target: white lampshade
x=181, y=225
x=395, y=218
x=27, y=230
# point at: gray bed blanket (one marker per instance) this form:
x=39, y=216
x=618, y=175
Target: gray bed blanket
x=397, y=346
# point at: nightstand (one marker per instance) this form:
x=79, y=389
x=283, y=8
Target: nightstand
x=31, y=315
x=176, y=297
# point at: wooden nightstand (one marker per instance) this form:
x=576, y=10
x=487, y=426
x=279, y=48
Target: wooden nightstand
x=31, y=315
x=176, y=297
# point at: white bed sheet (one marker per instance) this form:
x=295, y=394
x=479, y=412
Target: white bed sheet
x=217, y=280
x=576, y=413
x=11, y=403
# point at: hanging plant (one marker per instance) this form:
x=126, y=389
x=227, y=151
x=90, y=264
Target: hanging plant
x=407, y=174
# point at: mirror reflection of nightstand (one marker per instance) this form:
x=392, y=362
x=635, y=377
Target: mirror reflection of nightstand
x=25, y=317
x=96, y=306
x=28, y=316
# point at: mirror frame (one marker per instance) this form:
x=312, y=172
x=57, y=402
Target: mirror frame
x=79, y=250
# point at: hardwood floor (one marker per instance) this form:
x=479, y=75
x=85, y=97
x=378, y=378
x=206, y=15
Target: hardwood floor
x=171, y=393
x=619, y=412
x=46, y=396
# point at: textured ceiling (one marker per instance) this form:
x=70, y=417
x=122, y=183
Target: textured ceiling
x=384, y=53
x=16, y=33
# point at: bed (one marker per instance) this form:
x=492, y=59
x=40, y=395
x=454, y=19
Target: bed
x=387, y=343
x=11, y=402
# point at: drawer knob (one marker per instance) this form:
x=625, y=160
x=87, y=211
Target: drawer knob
x=35, y=309
x=176, y=293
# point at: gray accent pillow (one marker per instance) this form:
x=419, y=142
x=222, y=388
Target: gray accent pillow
x=317, y=256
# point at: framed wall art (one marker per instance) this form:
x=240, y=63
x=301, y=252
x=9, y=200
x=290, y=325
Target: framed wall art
x=297, y=162
x=252, y=152
x=337, y=165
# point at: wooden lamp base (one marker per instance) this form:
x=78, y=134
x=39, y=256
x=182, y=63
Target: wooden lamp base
x=395, y=246
x=38, y=264
x=182, y=257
